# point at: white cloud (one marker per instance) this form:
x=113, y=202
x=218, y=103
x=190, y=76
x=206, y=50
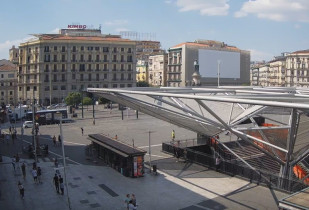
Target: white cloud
x=257, y=55
x=277, y=10
x=5, y=46
x=121, y=29
x=55, y=31
x=168, y=1
x=116, y=22
x=205, y=7
x=297, y=26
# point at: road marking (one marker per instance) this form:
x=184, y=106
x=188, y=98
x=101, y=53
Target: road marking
x=159, y=156
x=58, y=155
x=154, y=145
x=75, y=143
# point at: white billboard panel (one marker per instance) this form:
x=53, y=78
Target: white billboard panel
x=229, y=63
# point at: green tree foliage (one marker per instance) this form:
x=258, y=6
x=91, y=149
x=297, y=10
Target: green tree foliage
x=73, y=98
x=87, y=101
x=142, y=84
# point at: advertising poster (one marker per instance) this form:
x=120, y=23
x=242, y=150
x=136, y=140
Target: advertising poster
x=135, y=166
x=140, y=170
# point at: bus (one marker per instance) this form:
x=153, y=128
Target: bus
x=45, y=117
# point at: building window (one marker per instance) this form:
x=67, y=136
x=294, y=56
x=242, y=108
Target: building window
x=55, y=78
x=115, y=58
x=82, y=48
x=97, y=77
x=63, y=49
x=122, y=77
x=97, y=86
x=105, y=67
x=115, y=49
x=73, y=76
x=10, y=76
x=74, y=58
x=74, y=48
x=97, y=67
x=73, y=87
x=1, y=75
x=114, y=76
x=105, y=58
x=46, y=49
x=19, y=88
x=105, y=49
x=105, y=76
x=89, y=58
x=105, y=85
x=55, y=48
x=63, y=67
x=122, y=49
x=114, y=67
x=55, y=87
x=97, y=48
x=63, y=87
x=89, y=77
x=55, y=58
x=55, y=67
x=73, y=67
x=63, y=77
x=122, y=85
x=63, y=58
x=98, y=58
x=81, y=77
x=11, y=92
x=34, y=88
x=90, y=48
x=129, y=50
x=114, y=85
x=81, y=57
x=28, y=88
x=46, y=88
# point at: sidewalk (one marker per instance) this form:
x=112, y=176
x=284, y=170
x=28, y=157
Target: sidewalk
x=177, y=186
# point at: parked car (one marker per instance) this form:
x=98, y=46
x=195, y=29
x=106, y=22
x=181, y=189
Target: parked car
x=28, y=124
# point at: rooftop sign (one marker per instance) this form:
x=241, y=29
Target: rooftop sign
x=77, y=26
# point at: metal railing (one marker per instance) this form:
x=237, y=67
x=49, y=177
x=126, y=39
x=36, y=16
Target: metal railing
x=234, y=168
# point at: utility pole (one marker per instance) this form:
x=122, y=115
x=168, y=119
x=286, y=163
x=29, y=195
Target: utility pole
x=82, y=104
x=50, y=87
x=33, y=131
x=219, y=62
x=63, y=157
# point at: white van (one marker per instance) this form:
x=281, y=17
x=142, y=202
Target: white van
x=28, y=124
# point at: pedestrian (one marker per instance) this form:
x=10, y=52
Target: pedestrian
x=59, y=139
x=116, y=137
x=10, y=129
x=61, y=184
x=173, y=135
x=56, y=182
x=218, y=161
x=17, y=161
x=127, y=200
x=23, y=169
x=35, y=175
x=21, y=189
x=82, y=129
x=39, y=174
x=133, y=199
x=13, y=163
x=131, y=206
x=56, y=162
x=34, y=165
x=54, y=140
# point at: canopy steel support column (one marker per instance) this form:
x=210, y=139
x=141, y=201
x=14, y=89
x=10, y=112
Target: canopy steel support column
x=237, y=133
x=286, y=170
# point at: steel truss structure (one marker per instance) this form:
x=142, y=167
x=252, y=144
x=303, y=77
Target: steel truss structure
x=210, y=111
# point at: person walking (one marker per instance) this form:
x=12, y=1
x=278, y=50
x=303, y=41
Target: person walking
x=54, y=141
x=35, y=175
x=131, y=206
x=218, y=161
x=21, y=189
x=56, y=162
x=23, y=169
x=56, y=182
x=17, y=161
x=7, y=136
x=127, y=200
x=39, y=174
x=133, y=199
x=173, y=135
x=61, y=184
x=59, y=139
x=82, y=129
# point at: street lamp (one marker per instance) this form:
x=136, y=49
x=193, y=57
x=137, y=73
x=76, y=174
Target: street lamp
x=59, y=116
x=219, y=62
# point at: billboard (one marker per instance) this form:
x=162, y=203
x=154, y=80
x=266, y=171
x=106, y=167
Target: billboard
x=229, y=63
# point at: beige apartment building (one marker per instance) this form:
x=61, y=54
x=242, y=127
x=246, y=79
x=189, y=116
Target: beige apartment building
x=158, y=70
x=8, y=83
x=277, y=72
x=53, y=65
x=297, y=69
x=14, y=55
x=182, y=56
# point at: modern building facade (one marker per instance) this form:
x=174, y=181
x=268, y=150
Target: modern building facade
x=182, y=56
x=158, y=70
x=297, y=69
x=53, y=65
x=8, y=82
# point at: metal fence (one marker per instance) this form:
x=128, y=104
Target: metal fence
x=233, y=168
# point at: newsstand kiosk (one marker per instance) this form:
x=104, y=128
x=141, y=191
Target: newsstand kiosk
x=124, y=158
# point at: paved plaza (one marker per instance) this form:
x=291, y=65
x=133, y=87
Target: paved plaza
x=93, y=185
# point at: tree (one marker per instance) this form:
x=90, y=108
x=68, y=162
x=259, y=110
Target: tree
x=73, y=98
x=87, y=101
x=142, y=84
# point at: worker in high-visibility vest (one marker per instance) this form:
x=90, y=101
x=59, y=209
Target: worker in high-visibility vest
x=173, y=135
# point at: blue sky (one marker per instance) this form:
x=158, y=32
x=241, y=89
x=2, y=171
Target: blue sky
x=265, y=27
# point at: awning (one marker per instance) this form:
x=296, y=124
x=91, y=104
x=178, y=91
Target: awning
x=108, y=147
